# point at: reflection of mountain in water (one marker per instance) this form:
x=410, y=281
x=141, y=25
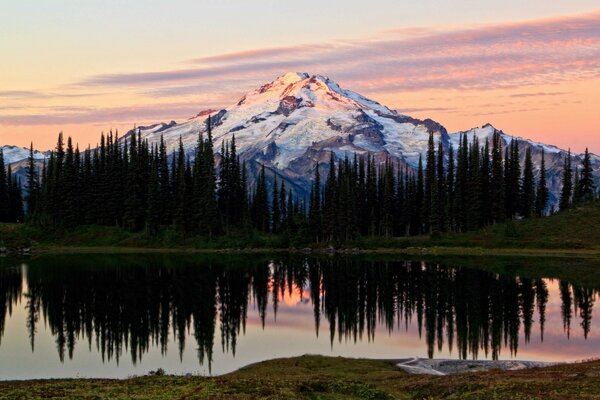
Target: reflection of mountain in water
x=120, y=307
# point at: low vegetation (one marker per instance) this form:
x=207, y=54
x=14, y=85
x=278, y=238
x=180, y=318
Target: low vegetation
x=574, y=230
x=317, y=377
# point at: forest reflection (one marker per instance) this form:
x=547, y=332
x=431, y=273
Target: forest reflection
x=121, y=307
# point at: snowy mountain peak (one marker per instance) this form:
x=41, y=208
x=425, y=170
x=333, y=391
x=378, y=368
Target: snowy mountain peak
x=308, y=90
x=14, y=154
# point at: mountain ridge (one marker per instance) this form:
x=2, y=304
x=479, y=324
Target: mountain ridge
x=297, y=120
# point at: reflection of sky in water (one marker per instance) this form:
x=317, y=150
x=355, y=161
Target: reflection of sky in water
x=291, y=333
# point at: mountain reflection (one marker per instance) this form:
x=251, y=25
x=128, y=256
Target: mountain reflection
x=123, y=306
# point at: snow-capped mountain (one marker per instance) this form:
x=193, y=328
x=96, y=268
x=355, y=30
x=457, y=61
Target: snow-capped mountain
x=13, y=154
x=299, y=119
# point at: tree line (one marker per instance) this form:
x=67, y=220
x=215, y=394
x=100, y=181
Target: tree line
x=475, y=186
x=131, y=184
x=11, y=198
x=134, y=185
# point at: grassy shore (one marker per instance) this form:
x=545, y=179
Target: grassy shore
x=317, y=377
x=572, y=233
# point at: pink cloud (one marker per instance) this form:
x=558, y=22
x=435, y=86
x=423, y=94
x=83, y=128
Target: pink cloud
x=487, y=56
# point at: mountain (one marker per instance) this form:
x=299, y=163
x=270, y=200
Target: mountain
x=17, y=158
x=13, y=154
x=297, y=120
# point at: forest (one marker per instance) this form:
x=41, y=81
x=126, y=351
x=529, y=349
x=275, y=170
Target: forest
x=131, y=184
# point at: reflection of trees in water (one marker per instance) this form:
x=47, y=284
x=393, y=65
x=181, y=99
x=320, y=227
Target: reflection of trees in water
x=131, y=308
x=10, y=293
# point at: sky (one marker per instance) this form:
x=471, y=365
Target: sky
x=529, y=68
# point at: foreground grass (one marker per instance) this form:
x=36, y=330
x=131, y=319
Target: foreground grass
x=317, y=377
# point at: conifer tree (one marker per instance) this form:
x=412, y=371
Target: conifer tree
x=4, y=193
x=208, y=201
x=450, y=191
x=260, y=203
x=419, y=198
x=180, y=220
x=485, y=192
x=586, y=187
x=528, y=191
x=314, y=213
x=32, y=183
x=441, y=188
x=541, y=198
x=567, y=180
x=329, y=202
x=430, y=185
x=275, y=207
x=474, y=189
x=497, y=180
x=153, y=215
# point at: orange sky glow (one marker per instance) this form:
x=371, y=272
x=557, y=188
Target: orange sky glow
x=536, y=77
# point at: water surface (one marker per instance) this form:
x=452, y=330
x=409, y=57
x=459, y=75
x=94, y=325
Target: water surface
x=116, y=316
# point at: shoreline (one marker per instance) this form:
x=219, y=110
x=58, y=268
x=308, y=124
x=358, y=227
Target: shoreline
x=408, y=251
x=308, y=377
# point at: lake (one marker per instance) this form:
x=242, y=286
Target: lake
x=123, y=315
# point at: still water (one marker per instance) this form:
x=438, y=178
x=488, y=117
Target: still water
x=117, y=316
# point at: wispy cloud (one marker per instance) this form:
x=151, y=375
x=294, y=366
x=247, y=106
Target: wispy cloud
x=538, y=94
x=516, y=54
x=85, y=115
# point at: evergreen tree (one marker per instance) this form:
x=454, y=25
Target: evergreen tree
x=260, y=203
x=442, y=189
x=586, y=187
x=497, y=180
x=4, y=193
x=541, y=198
x=567, y=180
x=430, y=186
x=474, y=213
x=314, y=213
x=32, y=183
x=153, y=214
x=180, y=215
x=419, y=198
x=275, y=207
x=208, y=201
x=450, y=191
x=528, y=191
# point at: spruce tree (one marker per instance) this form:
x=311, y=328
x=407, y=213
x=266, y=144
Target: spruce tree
x=275, y=207
x=32, y=183
x=497, y=180
x=441, y=187
x=314, y=213
x=474, y=211
x=430, y=185
x=450, y=191
x=541, y=198
x=260, y=204
x=528, y=191
x=4, y=195
x=567, y=180
x=586, y=187
x=209, y=203
x=153, y=214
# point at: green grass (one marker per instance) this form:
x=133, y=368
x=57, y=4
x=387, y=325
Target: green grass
x=318, y=377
